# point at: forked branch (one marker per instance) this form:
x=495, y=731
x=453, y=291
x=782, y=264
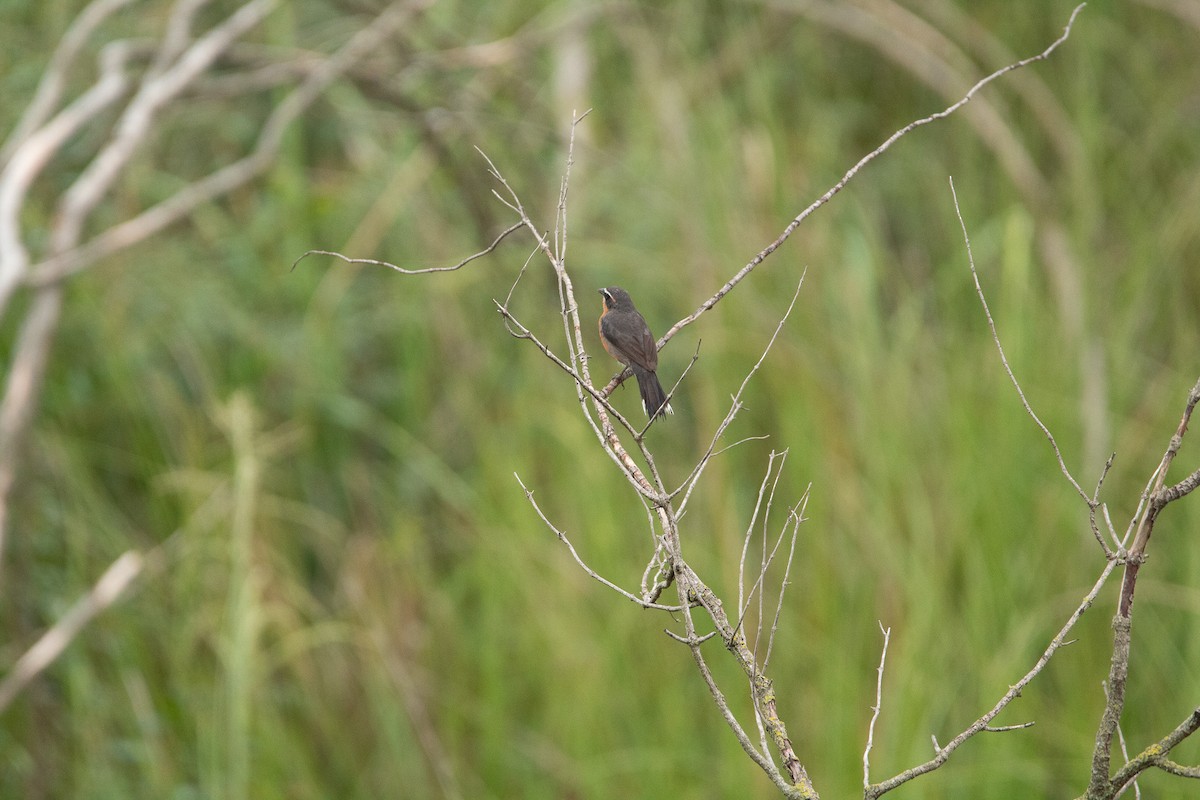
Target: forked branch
x=1101, y=786
x=1154, y=499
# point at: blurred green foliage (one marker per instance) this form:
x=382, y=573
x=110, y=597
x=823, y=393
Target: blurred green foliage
x=357, y=600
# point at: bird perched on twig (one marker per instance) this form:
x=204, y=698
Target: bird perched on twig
x=627, y=338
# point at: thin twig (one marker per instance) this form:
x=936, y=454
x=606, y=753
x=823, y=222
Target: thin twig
x=1143, y=499
x=1137, y=789
x=887, y=637
x=1174, y=768
x=1092, y=511
x=657, y=565
x=697, y=641
x=758, y=502
x=560, y=224
x=837, y=187
x=796, y=516
x=1154, y=754
x=562, y=536
x=735, y=406
x=1062, y=465
x=764, y=563
x=944, y=753
x=419, y=271
x=512, y=289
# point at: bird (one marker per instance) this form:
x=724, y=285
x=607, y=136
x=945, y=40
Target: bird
x=627, y=338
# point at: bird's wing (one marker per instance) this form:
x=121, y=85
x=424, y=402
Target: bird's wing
x=634, y=341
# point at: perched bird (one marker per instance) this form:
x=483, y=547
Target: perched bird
x=627, y=338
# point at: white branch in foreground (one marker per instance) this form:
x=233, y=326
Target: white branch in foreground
x=108, y=589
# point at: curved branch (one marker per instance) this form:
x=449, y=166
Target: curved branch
x=562, y=536
x=1014, y=691
x=419, y=271
x=867, y=159
x=1156, y=754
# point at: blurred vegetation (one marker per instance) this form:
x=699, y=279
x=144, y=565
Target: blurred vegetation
x=356, y=599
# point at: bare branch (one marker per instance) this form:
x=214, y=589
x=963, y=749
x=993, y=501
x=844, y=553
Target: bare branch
x=107, y=590
x=1118, y=673
x=1137, y=789
x=225, y=180
x=1156, y=753
x=514, y=203
x=796, y=517
x=578, y=560
x=1167, y=765
x=764, y=563
x=758, y=504
x=758, y=757
x=35, y=150
x=54, y=77
x=699, y=640
x=1137, y=515
x=735, y=406
x=1092, y=511
x=157, y=89
x=560, y=223
x=420, y=271
x=1062, y=465
x=762, y=688
x=661, y=569
x=944, y=753
x=520, y=274
x=1184, y=487
x=887, y=637
x=837, y=187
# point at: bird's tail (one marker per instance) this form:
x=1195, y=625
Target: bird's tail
x=654, y=398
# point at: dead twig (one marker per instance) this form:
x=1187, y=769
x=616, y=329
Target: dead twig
x=887, y=637
x=414, y=271
x=1062, y=465
x=562, y=536
x=1014, y=691
x=741, y=274
x=735, y=405
x=1154, y=501
x=1156, y=755
x=107, y=590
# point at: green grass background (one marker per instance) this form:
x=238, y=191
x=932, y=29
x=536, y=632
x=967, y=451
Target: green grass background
x=357, y=601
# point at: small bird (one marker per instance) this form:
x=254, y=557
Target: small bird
x=627, y=338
